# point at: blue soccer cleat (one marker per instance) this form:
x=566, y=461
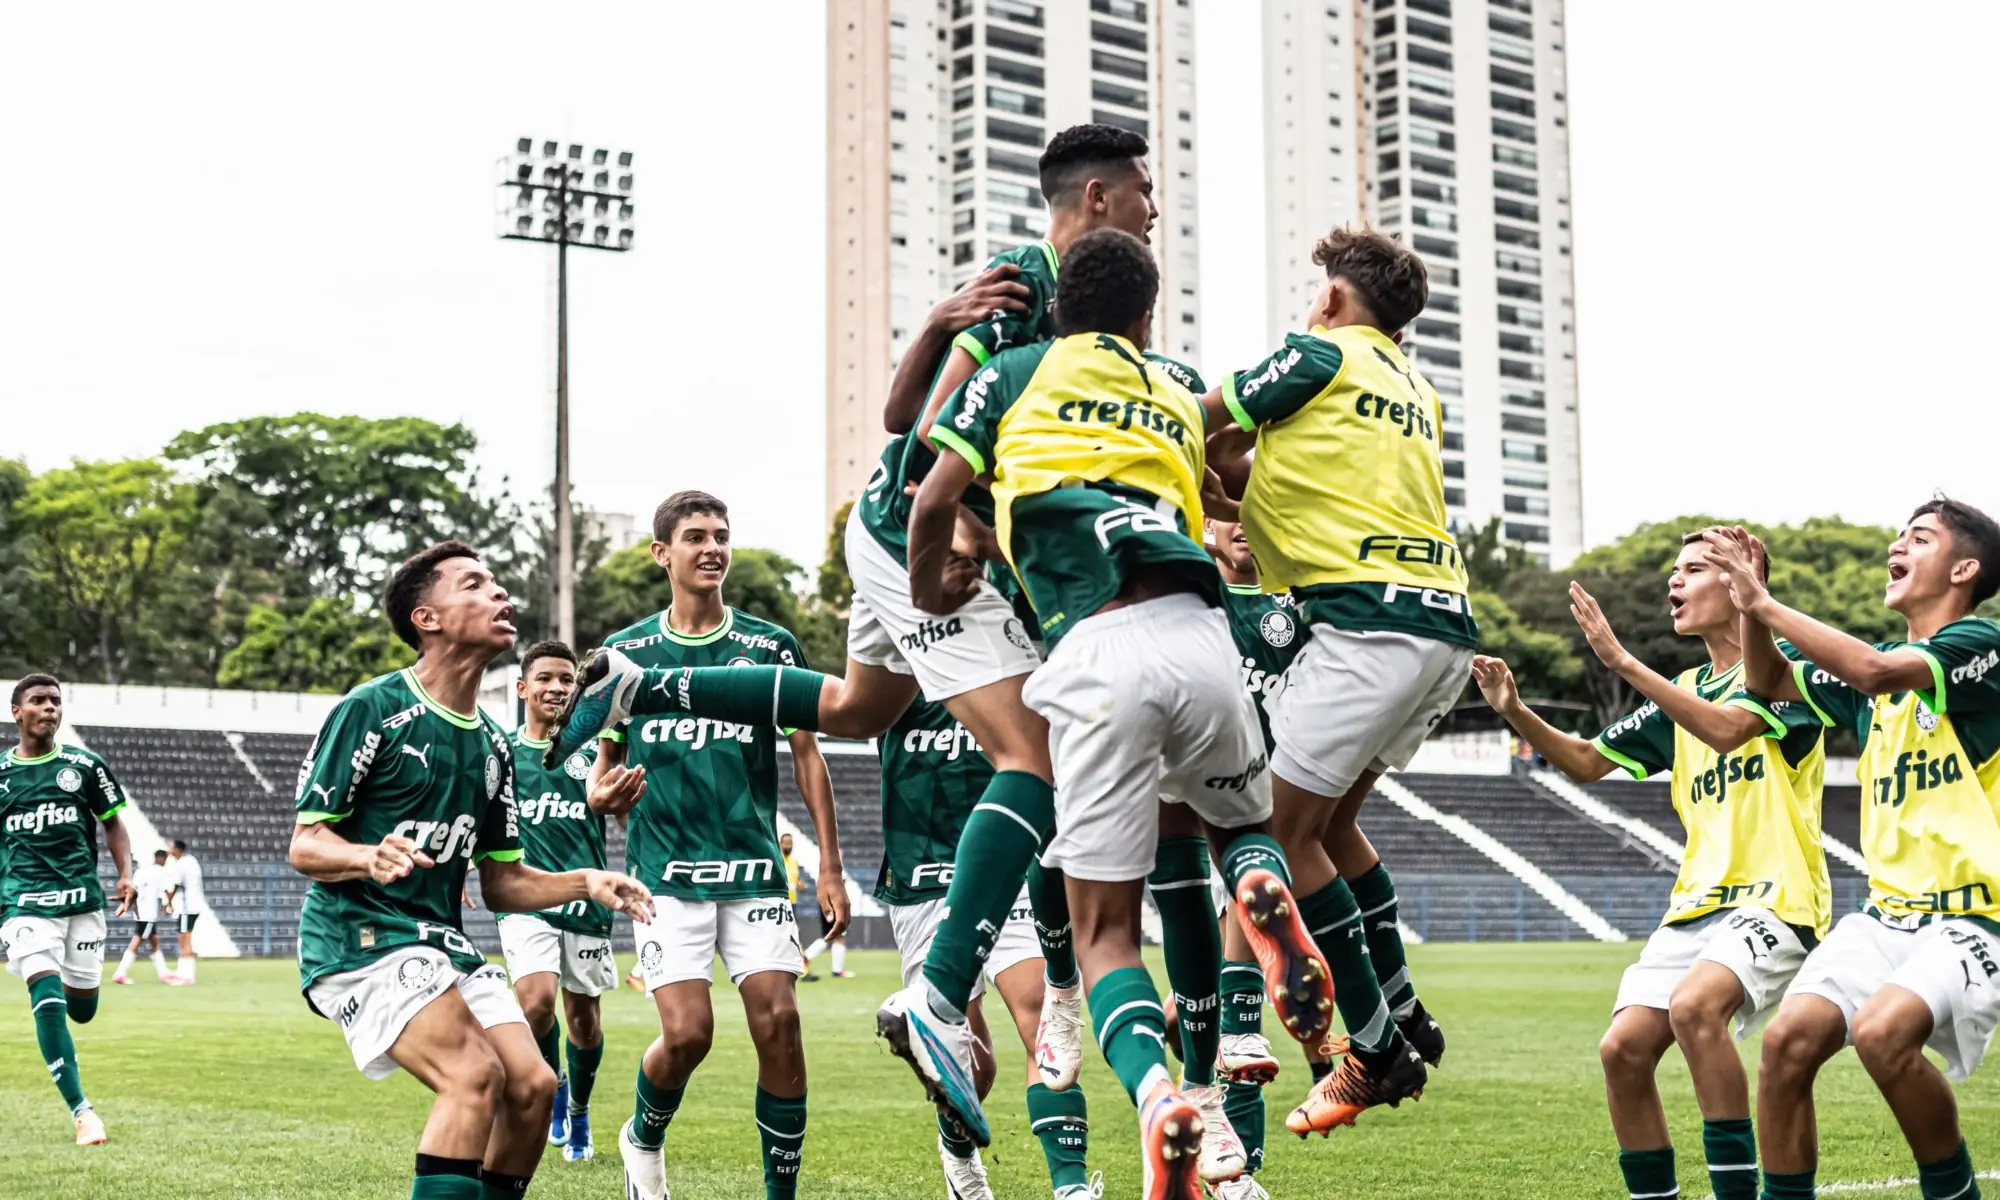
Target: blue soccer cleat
x=559, y=1114
x=940, y=1052
x=606, y=684
x=580, y=1146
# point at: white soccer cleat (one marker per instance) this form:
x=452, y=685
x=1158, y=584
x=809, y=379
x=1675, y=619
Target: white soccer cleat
x=608, y=682
x=1243, y=1187
x=964, y=1178
x=1094, y=1190
x=940, y=1052
x=121, y=978
x=1222, y=1153
x=90, y=1128
x=1247, y=1058
x=1059, y=1037
x=645, y=1170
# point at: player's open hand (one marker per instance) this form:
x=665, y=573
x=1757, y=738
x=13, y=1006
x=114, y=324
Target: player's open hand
x=617, y=791
x=1496, y=683
x=992, y=290
x=395, y=857
x=619, y=893
x=1730, y=551
x=1596, y=629
x=833, y=904
x=126, y=894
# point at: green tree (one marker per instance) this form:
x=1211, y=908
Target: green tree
x=328, y=645
x=1490, y=560
x=24, y=626
x=1545, y=664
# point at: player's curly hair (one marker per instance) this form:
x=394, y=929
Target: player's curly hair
x=547, y=648
x=1388, y=276
x=1082, y=153
x=1974, y=535
x=1108, y=284
x=412, y=582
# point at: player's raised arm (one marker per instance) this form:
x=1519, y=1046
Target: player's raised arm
x=1721, y=727
x=816, y=788
x=1572, y=755
x=993, y=293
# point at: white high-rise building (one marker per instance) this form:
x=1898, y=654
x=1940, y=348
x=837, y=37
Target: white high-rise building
x=1446, y=122
x=937, y=111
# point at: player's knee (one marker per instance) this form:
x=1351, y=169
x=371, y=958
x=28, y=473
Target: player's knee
x=1697, y=1017
x=477, y=1079
x=1792, y=1052
x=1880, y=1040
x=1625, y=1057
x=686, y=1043
x=530, y=1089
x=776, y=1022
x=539, y=1009
x=585, y=1027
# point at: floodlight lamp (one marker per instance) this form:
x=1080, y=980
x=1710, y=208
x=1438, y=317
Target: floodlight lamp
x=524, y=145
x=625, y=158
x=624, y=239
x=624, y=183
x=575, y=151
x=601, y=234
x=548, y=149
x=597, y=157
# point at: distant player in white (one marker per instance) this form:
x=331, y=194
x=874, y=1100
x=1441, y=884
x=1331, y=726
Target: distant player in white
x=185, y=896
x=151, y=884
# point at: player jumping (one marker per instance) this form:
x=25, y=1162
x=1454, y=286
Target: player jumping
x=408, y=785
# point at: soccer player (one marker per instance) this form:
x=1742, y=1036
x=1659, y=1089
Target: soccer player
x=408, y=785
x=51, y=797
x=149, y=888
x=1097, y=459
x=1345, y=509
x=932, y=775
x=1752, y=896
x=973, y=661
x=186, y=897
x=568, y=947
x=1921, y=963
x=704, y=836
x=835, y=946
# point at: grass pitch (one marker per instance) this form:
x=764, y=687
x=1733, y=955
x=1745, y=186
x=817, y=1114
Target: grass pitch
x=234, y=1089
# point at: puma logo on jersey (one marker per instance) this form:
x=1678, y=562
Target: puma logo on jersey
x=697, y=732
x=6, y=786
x=1729, y=768
x=42, y=816
x=930, y=633
x=1917, y=772
x=423, y=756
x=323, y=792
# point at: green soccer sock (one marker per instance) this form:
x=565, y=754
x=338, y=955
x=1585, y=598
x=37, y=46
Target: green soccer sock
x=1649, y=1173
x=1731, y=1149
x=1131, y=1028
x=781, y=1127
x=82, y=1007
x=1243, y=1104
x=583, y=1063
x=498, y=1185
x=654, y=1111
x=1335, y=922
x=1048, y=894
x=1950, y=1178
x=1249, y=852
x=1061, y=1123
x=1788, y=1187
x=994, y=852
x=1242, y=998
x=1375, y=893
x=549, y=1042
x=446, y=1179
x=952, y=1134
x=787, y=697
x=1192, y=947
x=51, y=1014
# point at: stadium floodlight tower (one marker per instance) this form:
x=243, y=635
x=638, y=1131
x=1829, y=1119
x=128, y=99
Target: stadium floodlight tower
x=565, y=194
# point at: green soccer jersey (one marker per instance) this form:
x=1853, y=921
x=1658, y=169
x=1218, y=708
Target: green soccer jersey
x=1269, y=635
x=50, y=807
x=391, y=762
x=706, y=828
x=933, y=772
x=558, y=830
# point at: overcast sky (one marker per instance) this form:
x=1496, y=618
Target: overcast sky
x=1785, y=241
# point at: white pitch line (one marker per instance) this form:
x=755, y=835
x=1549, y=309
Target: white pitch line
x=1873, y=1185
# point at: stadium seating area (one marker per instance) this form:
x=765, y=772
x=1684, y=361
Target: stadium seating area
x=230, y=796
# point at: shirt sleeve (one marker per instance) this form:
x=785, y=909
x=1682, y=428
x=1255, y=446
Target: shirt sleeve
x=969, y=423
x=1006, y=329
x=1830, y=701
x=341, y=757
x=499, y=837
x=1297, y=373
x=1965, y=667
x=102, y=792
x=1642, y=743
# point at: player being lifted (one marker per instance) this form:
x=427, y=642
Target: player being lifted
x=1345, y=510
x=1752, y=896
x=932, y=775
x=567, y=948
x=1096, y=460
x=52, y=797
x=1921, y=963
x=149, y=884
x=973, y=661
x=704, y=837
x=407, y=786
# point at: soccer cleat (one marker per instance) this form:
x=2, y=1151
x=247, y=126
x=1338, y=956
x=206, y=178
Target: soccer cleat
x=606, y=683
x=964, y=1178
x=1170, y=1132
x=90, y=1128
x=809, y=977
x=1222, y=1153
x=579, y=1148
x=645, y=1170
x=1059, y=1037
x=1247, y=1058
x=940, y=1052
x=1421, y=1028
x=1295, y=975
x=843, y=974
x=121, y=978
x=559, y=1114
x=635, y=983
x=1091, y=1190
x=1243, y=1187
x=1356, y=1085
x=176, y=981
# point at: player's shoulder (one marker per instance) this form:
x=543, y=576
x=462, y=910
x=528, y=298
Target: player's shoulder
x=1037, y=261
x=78, y=755
x=639, y=635
x=385, y=694
x=755, y=637
x=1977, y=632
x=1178, y=371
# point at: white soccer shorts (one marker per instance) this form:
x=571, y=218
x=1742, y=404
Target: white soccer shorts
x=1953, y=965
x=983, y=642
x=1360, y=701
x=682, y=940
x=1146, y=703
x=581, y=962
x=73, y=947
x=1762, y=952
x=374, y=1004
x=915, y=925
